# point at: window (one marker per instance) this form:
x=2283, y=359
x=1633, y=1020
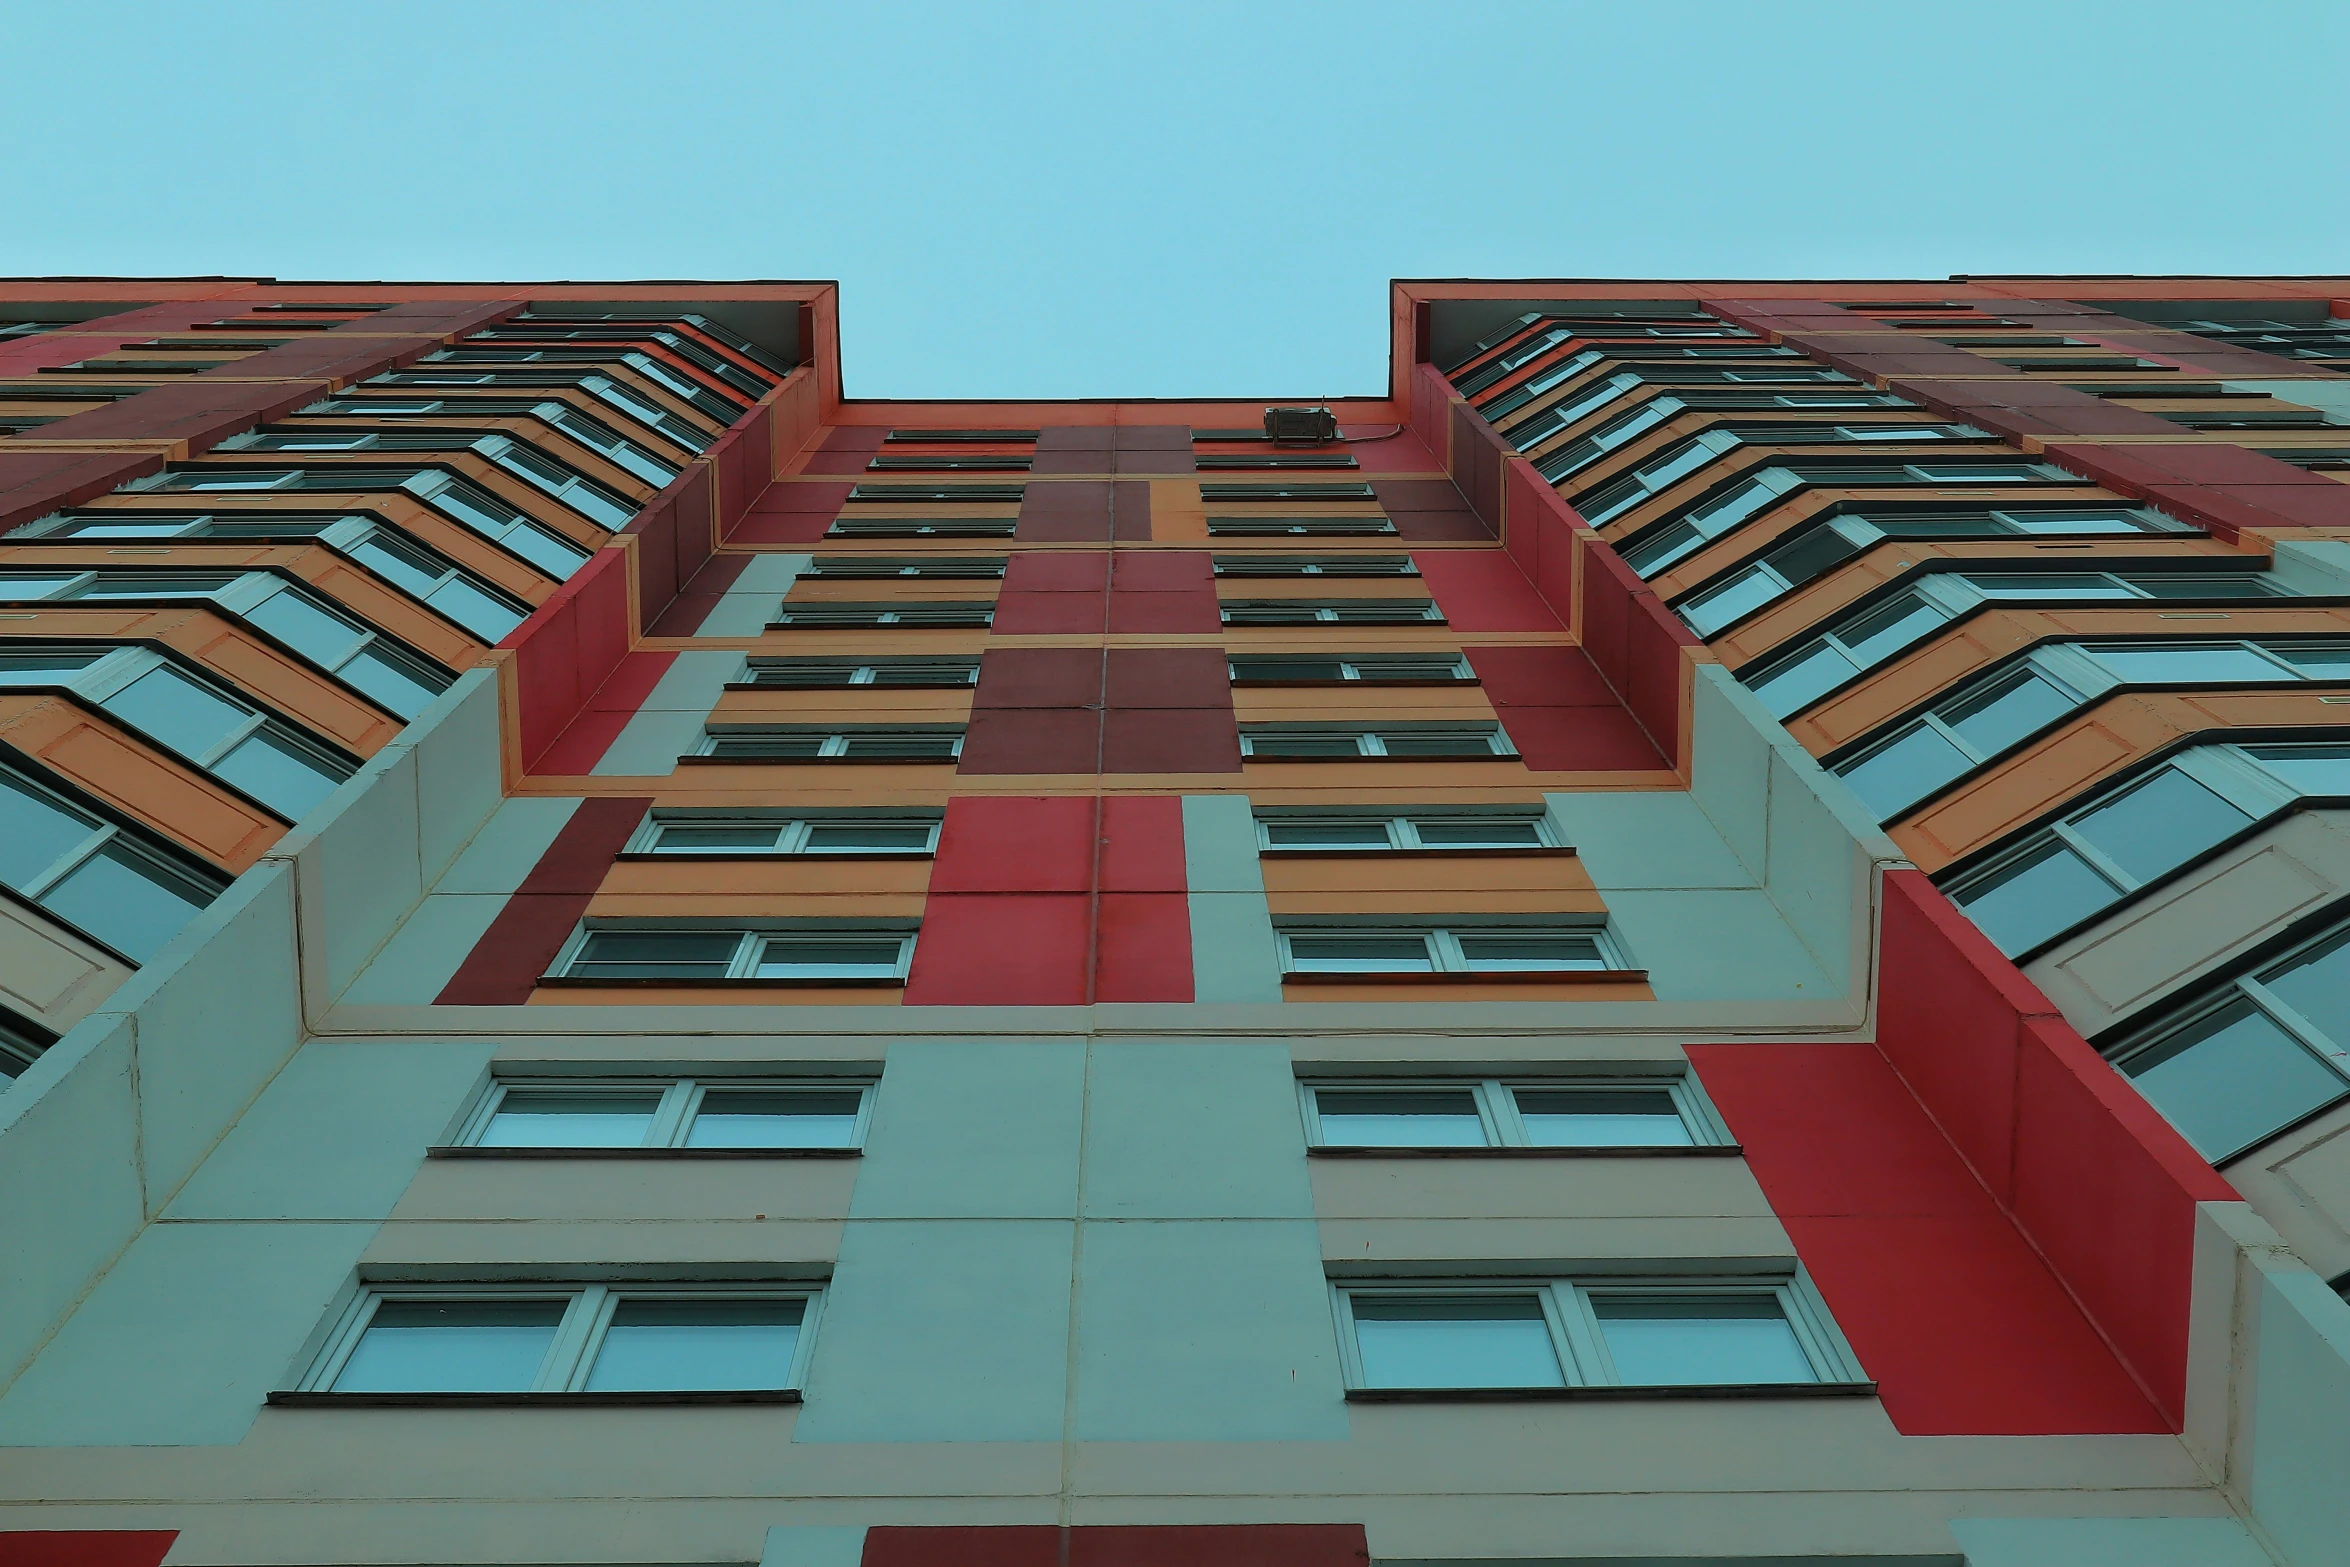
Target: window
x=1315, y=566
x=964, y=462
x=578, y=1340
x=1462, y=949
x=913, y=614
x=1304, y=832
x=1308, y=612
x=566, y=420
x=423, y=574
x=879, y=566
x=1209, y=462
x=1297, y=527
x=103, y=879
x=1286, y=490
x=768, y=833
x=1369, y=668
x=1320, y=742
x=2137, y=833
x=22, y=1042
x=691, y=955
x=1956, y=734
x=1658, y=546
x=812, y=743
x=387, y=674
x=725, y=1112
x=618, y=396
x=923, y=528
x=935, y=494
x=1546, y=1113
x=192, y=717
x=826, y=673
x=1577, y=406
x=2262, y=1053
x=1669, y=1331
x=1861, y=642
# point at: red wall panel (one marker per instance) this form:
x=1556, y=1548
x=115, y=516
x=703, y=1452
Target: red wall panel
x=504, y=966
x=1001, y=949
x=1119, y=1545
x=1068, y=512
x=1484, y=590
x=85, y=1547
x=606, y=712
x=1142, y=946
x=1004, y=843
x=1142, y=843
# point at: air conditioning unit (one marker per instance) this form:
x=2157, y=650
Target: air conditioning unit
x=1306, y=425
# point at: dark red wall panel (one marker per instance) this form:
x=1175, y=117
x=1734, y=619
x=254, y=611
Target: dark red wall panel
x=1167, y=677
x=85, y=1547
x=1484, y=590
x=1032, y=740
x=1539, y=677
x=1071, y=511
x=1119, y=1545
x=700, y=595
x=1001, y=949
x=1170, y=740
x=605, y=713
x=34, y=484
x=1068, y=677
x=505, y=965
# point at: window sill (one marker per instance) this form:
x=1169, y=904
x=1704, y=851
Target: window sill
x=1536, y=853
x=1546, y=1395
x=818, y=761
x=1580, y=1151
x=652, y=857
x=766, y=1395
x=1340, y=685
x=1566, y=976
x=1352, y=761
x=698, y=982
x=457, y=1151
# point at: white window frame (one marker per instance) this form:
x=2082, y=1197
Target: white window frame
x=834, y=745
x=588, y=1313
x=111, y=669
x=1576, y=1337
x=1370, y=742
x=750, y=946
x=913, y=614
x=861, y=673
x=1497, y=1107
x=794, y=830
x=861, y=568
x=1402, y=832
x=673, y=1119
x=1300, y=527
x=1444, y=947
x=1364, y=668
x=1281, y=566
x=1327, y=613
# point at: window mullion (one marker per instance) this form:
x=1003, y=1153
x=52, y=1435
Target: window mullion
x=2064, y=833
x=477, y=1124
x=1403, y=833
x=2292, y=1020
x=1497, y=1107
x=569, y=1357
x=1370, y=743
x=1574, y=1331
x=746, y=956
x=675, y=1112
x=67, y=863
x=1445, y=949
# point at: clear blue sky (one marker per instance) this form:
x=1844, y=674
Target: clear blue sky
x=1129, y=199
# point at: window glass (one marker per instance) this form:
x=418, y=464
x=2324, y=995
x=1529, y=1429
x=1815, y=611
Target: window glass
x=1360, y=954
x=1303, y=745
x=2009, y=711
x=1287, y=669
x=2072, y=522
x=1361, y=833
x=306, y=628
x=678, y=1346
x=1471, y=1341
x=177, y=712
x=1905, y=770
x=1600, y=1117
x=2310, y=769
x=33, y=585
x=2231, y=1079
x=2317, y=985
x=1399, y=1117
x=2317, y=661
x=1475, y=832
x=720, y=838
x=126, y=900
x=1685, y=1340
x=485, y=615
x=42, y=669
x=556, y=1118
x=2047, y=891
x=656, y=954
x=35, y=831
x=390, y=681
x=1750, y=590
x=842, y=837
x=2168, y=819
x=2172, y=585
x=775, y=1118
x=1812, y=674
x=473, y=1346
x=275, y=773
x=1408, y=742
x=1523, y=950
x=787, y=957
x=1885, y=631
x=2046, y=584
x=2186, y=663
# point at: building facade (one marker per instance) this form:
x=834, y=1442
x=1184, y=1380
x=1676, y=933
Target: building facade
x=1716, y=931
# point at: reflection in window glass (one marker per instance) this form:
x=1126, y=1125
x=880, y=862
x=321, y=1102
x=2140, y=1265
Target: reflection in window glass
x=2317, y=986
x=1471, y=1341
x=2188, y=664
x=1601, y=1118
x=1685, y=1340
x=476, y=1346
x=1996, y=720
x=2047, y=891
x=675, y=1346
x=530, y=1118
x=177, y=712
x=36, y=831
x=1399, y=1118
x=1904, y=771
x=2162, y=823
x=775, y=1118
x=126, y=900
x=276, y=774
x=2231, y=1079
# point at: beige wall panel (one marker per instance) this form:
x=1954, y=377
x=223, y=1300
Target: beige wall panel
x=1536, y=1187
x=2300, y=1183
x=785, y=875
x=604, y=1242
x=49, y=975
x=713, y=1190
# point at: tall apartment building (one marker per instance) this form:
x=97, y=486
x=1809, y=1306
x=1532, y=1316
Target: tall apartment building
x=1717, y=931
